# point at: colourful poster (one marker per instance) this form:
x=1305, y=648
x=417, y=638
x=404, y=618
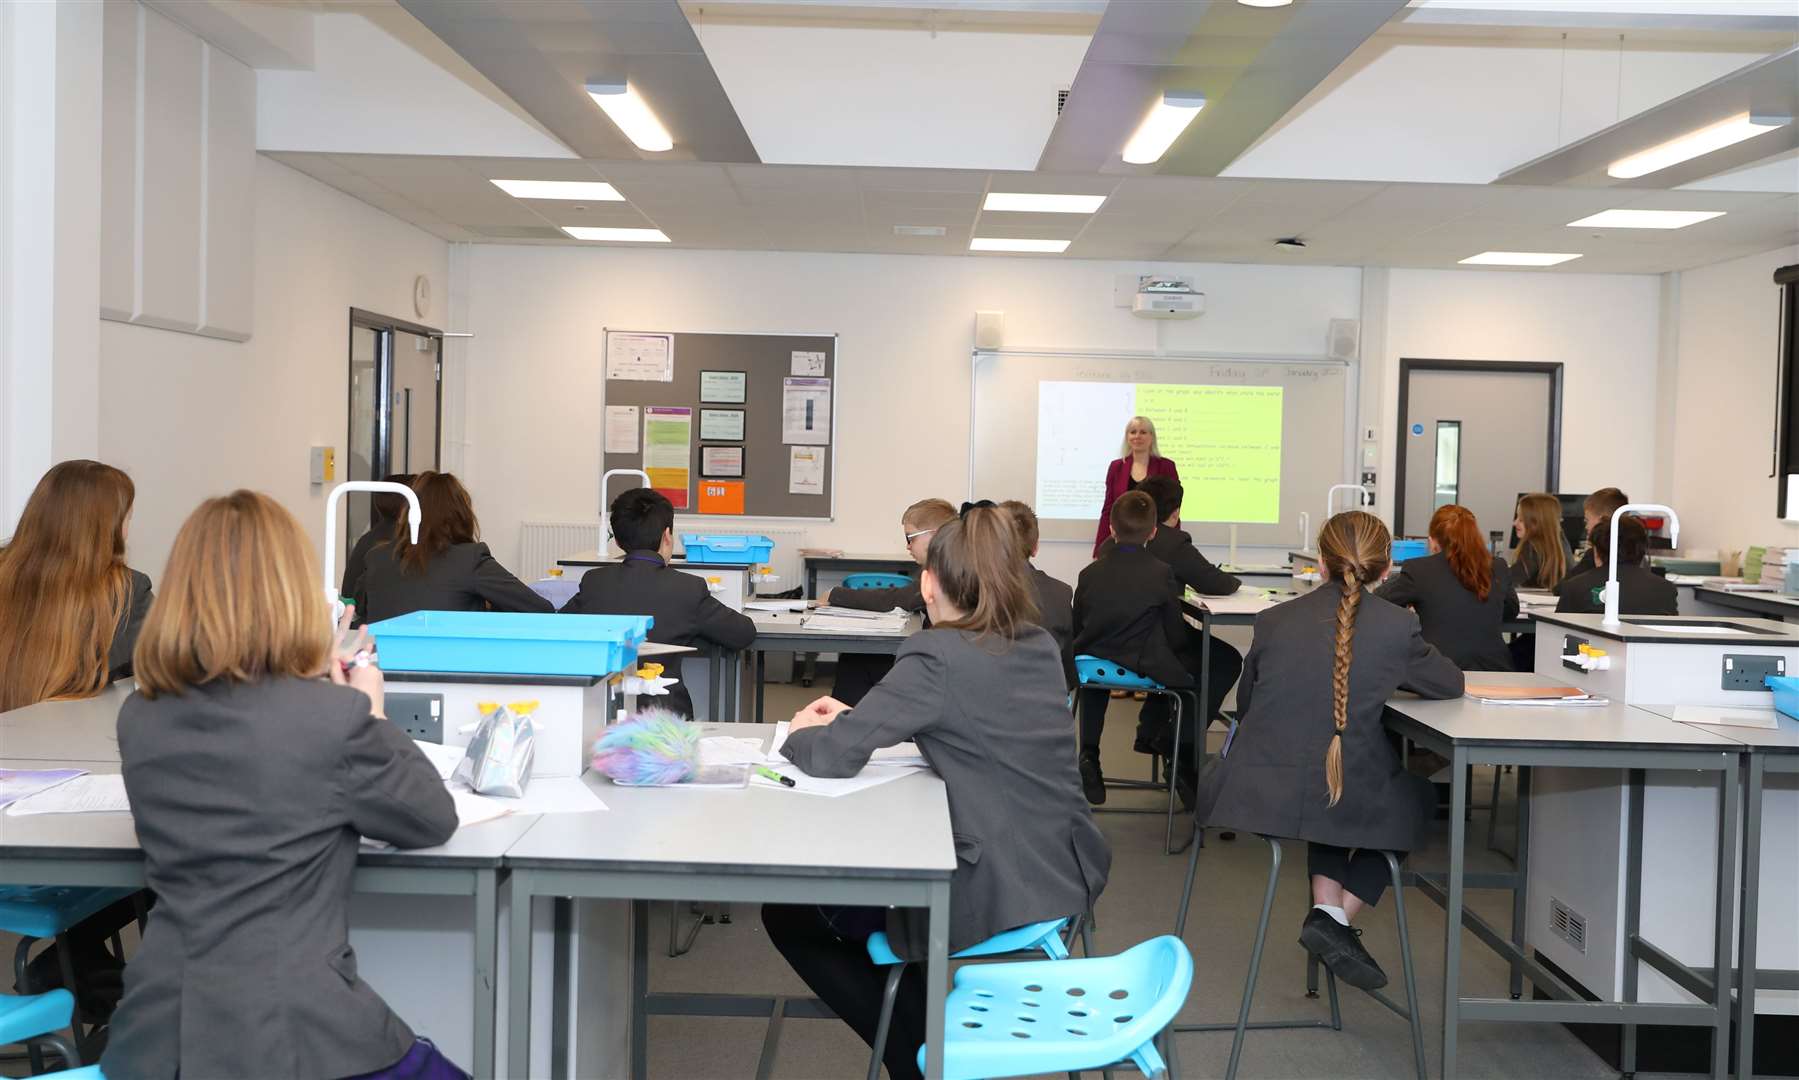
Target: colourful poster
x=668, y=451
x=721, y=496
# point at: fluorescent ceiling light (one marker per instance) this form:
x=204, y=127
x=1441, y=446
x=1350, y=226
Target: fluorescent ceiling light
x=632, y=116
x=1264, y=3
x=1518, y=258
x=1645, y=219
x=1027, y=202
x=630, y=236
x=1162, y=126
x=989, y=243
x=1695, y=143
x=578, y=190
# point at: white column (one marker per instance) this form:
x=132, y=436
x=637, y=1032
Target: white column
x=50, y=240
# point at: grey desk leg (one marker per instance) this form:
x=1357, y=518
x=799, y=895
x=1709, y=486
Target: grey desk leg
x=1730, y=796
x=487, y=959
x=1452, y=910
x=761, y=677
x=1633, y=911
x=518, y=990
x=715, y=662
x=1752, y=872
x=640, y=988
x=936, y=980
x=562, y=943
x=1521, y=867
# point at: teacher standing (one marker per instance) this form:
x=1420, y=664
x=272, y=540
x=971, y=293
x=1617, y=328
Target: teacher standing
x=1138, y=460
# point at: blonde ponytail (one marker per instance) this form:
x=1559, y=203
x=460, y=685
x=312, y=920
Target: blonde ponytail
x=1355, y=548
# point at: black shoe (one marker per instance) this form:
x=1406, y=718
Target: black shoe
x=1185, y=787
x=1227, y=835
x=1154, y=739
x=1340, y=947
x=1093, y=783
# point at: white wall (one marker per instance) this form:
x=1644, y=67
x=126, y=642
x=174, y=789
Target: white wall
x=1604, y=329
x=1724, y=406
x=191, y=417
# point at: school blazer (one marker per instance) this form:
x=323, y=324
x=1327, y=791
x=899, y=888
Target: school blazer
x=1174, y=546
x=1527, y=566
x=992, y=719
x=381, y=530
x=683, y=611
x=248, y=800
x=1118, y=481
x=463, y=577
x=131, y=622
x=1462, y=626
x=1055, y=613
x=1127, y=609
x=906, y=598
x=1640, y=592
x=1272, y=781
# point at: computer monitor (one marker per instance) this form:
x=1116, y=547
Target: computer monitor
x=1574, y=520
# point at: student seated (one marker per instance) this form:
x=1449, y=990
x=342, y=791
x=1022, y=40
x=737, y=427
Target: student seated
x=1640, y=590
x=387, y=512
x=1540, y=561
x=1055, y=600
x=683, y=609
x=449, y=569
x=1461, y=592
x=981, y=694
x=1600, y=506
x=857, y=672
x=1310, y=760
x=1174, y=545
x=70, y=612
x=1127, y=609
x=252, y=775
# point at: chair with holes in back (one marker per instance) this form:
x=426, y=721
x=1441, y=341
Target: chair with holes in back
x=1044, y=1016
x=1098, y=674
x=1335, y=1023
x=876, y=581
x=33, y=1021
x=37, y=912
x=1045, y=936
x=90, y=1072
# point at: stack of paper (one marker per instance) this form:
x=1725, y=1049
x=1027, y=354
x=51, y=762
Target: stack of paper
x=95, y=793
x=775, y=605
x=850, y=621
x=887, y=764
x=827, y=553
x=1539, y=696
x=16, y=784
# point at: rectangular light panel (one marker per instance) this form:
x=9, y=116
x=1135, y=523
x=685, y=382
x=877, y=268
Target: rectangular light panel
x=1518, y=258
x=573, y=190
x=988, y=243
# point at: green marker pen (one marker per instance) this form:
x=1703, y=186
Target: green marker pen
x=769, y=774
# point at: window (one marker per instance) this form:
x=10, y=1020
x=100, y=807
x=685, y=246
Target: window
x=1449, y=464
x=1786, y=401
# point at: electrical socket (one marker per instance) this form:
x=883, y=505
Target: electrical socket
x=1746, y=671
x=420, y=716
x=1571, y=647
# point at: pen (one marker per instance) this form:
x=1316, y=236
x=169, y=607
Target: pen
x=769, y=774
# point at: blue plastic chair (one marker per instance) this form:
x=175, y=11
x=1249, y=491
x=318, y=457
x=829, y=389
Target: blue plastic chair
x=1049, y=1016
x=1096, y=673
x=48, y=911
x=1046, y=936
x=90, y=1072
x=33, y=1020
x=876, y=581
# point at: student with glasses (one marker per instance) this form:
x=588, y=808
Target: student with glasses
x=857, y=672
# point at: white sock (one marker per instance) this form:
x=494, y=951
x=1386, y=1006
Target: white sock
x=1334, y=912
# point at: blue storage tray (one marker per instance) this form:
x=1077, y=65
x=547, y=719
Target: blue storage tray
x=510, y=643
x=1410, y=549
x=1786, y=694
x=726, y=549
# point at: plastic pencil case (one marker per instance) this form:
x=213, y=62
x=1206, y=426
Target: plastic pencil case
x=510, y=643
x=746, y=550
x=1786, y=694
x=1410, y=549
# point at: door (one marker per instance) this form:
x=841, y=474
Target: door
x=396, y=402
x=1475, y=433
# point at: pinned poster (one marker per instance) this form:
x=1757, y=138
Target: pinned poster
x=668, y=451
x=805, y=470
x=721, y=462
x=808, y=363
x=640, y=357
x=721, y=496
x=621, y=429
x=806, y=411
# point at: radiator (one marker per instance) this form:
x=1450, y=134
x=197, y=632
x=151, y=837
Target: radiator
x=541, y=543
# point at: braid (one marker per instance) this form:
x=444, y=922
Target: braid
x=1346, y=613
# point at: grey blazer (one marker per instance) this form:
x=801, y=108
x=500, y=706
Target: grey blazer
x=1272, y=781
x=994, y=722
x=463, y=577
x=131, y=621
x=248, y=800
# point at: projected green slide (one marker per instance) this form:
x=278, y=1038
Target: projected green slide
x=1226, y=441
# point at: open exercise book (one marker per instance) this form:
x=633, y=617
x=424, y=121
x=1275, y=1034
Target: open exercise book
x=1539, y=696
x=852, y=621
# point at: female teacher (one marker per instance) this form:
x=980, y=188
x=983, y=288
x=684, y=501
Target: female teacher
x=1137, y=461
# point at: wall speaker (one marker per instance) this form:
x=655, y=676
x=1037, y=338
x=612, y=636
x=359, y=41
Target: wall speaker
x=1344, y=340
x=989, y=329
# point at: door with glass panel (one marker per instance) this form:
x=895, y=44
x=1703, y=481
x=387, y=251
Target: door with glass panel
x=396, y=402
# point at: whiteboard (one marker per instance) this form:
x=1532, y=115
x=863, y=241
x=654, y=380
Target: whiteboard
x=1316, y=449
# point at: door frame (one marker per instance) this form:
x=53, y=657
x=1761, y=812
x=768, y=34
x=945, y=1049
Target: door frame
x=1553, y=478
x=384, y=326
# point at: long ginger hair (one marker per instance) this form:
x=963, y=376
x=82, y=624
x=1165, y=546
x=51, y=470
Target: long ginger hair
x=64, y=585
x=1457, y=534
x=1356, y=549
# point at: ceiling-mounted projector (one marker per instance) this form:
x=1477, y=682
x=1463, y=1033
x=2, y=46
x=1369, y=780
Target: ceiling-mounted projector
x=1167, y=298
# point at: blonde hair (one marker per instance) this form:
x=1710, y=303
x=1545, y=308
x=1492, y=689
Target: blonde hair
x=927, y=514
x=240, y=601
x=1155, y=448
x=64, y=585
x=1355, y=548
x=974, y=559
x=1542, y=517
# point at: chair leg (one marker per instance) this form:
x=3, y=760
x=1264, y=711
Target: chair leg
x=20, y=958
x=1174, y=751
x=1180, y=916
x=1255, y=956
x=1405, y=960
x=879, y=1050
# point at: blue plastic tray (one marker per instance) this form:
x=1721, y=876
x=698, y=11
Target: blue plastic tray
x=1410, y=549
x=726, y=549
x=510, y=643
x=1786, y=694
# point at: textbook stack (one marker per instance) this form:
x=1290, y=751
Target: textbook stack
x=851, y=621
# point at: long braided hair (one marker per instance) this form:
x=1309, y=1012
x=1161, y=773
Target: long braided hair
x=1355, y=548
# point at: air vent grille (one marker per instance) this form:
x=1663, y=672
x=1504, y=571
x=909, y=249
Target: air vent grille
x=918, y=230
x=1568, y=924
x=1061, y=100
x=519, y=232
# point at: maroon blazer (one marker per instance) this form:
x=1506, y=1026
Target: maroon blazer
x=1118, y=481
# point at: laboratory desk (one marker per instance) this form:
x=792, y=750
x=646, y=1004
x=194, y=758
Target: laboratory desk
x=855, y=563
x=784, y=631
x=1767, y=605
